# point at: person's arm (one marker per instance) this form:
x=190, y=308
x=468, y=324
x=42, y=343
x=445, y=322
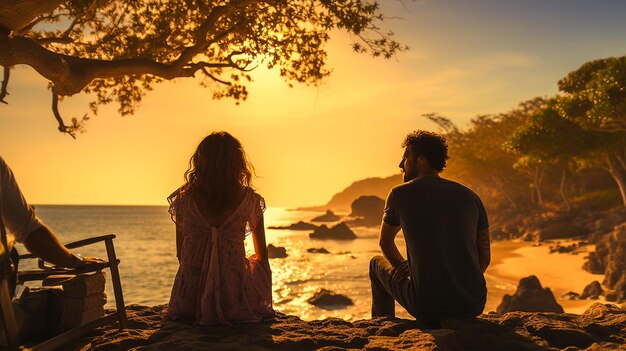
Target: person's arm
x=44, y=244
x=388, y=245
x=258, y=238
x=484, y=249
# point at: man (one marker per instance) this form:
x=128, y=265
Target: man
x=18, y=218
x=447, y=239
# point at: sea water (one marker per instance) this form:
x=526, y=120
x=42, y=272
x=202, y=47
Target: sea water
x=145, y=245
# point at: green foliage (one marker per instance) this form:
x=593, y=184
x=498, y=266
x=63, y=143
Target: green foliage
x=594, y=96
x=549, y=137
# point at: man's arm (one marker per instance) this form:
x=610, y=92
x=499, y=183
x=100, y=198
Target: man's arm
x=44, y=244
x=484, y=248
x=387, y=243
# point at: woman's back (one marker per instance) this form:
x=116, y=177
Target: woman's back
x=216, y=283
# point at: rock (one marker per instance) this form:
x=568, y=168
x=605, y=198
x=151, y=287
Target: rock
x=594, y=264
x=564, y=249
x=530, y=296
x=329, y=216
x=296, y=226
x=338, y=232
x=611, y=297
x=592, y=291
x=320, y=250
x=276, y=251
x=610, y=259
x=327, y=299
x=601, y=327
x=559, y=229
x=367, y=211
x=570, y=295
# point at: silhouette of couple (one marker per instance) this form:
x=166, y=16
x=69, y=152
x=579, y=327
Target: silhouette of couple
x=444, y=224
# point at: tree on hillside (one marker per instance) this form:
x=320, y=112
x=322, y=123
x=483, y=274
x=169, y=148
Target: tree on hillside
x=118, y=50
x=594, y=96
x=552, y=140
x=481, y=158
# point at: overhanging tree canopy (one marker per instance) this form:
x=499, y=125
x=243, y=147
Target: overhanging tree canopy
x=118, y=50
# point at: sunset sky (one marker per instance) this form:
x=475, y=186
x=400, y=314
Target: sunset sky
x=307, y=143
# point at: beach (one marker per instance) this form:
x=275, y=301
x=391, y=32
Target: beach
x=561, y=272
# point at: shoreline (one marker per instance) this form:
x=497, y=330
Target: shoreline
x=561, y=272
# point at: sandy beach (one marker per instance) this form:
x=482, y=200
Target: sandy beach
x=513, y=260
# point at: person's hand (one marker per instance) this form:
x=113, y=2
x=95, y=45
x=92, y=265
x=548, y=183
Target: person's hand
x=401, y=271
x=86, y=261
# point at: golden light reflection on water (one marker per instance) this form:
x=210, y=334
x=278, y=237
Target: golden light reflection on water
x=345, y=270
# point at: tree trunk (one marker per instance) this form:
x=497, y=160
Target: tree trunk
x=537, y=181
x=568, y=204
x=617, y=169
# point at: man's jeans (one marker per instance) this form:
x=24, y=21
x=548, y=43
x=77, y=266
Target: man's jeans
x=386, y=289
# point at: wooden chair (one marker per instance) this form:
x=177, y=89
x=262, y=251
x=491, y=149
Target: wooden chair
x=33, y=275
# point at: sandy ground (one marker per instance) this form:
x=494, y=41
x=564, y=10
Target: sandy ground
x=513, y=260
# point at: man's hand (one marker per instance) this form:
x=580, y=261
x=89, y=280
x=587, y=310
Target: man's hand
x=401, y=271
x=85, y=262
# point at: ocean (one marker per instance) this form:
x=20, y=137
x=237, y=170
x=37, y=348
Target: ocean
x=145, y=244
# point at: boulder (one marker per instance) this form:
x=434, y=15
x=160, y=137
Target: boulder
x=610, y=259
x=329, y=216
x=316, y=250
x=530, y=296
x=592, y=291
x=327, y=299
x=276, y=251
x=338, y=232
x=367, y=211
x=296, y=226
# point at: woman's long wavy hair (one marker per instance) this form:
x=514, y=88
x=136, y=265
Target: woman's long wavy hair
x=218, y=172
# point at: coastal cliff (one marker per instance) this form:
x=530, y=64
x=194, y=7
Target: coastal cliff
x=601, y=327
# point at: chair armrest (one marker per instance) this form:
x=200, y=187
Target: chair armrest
x=78, y=243
x=89, y=241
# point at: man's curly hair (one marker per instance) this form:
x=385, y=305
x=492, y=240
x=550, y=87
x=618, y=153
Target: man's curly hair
x=430, y=145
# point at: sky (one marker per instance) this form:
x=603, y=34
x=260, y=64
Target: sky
x=466, y=58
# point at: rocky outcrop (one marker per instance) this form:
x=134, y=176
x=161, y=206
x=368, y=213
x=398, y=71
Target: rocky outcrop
x=530, y=296
x=610, y=259
x=573, y=248
x=327, y=299
x=276, y=251
x=321, y=250
x=329, y=216
x=378, y=187
x=367, y=211
x=338, y=232
x=296, y=226
x=601, y=327
x=592, y=291
x=548, y=225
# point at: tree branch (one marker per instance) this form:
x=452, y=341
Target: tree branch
x=206, y=71
x=70, y=75
x=62, y=127
x=5, y=84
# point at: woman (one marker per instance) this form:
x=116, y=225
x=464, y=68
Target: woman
x=216, y=284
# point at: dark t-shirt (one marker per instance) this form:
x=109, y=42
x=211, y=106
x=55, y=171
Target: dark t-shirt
x=440, y=220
